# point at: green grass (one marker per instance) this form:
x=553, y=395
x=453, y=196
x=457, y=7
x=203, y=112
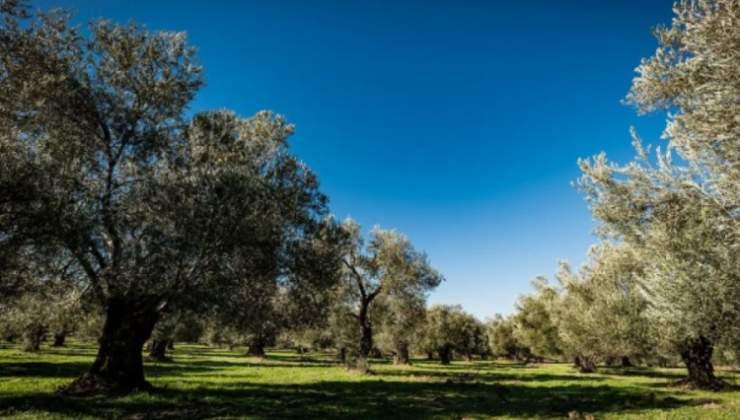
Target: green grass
x=205, y=383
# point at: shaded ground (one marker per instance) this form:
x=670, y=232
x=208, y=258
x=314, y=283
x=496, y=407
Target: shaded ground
x=206, y=383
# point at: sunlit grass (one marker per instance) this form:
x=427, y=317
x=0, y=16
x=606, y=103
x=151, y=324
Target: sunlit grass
x=206, y=383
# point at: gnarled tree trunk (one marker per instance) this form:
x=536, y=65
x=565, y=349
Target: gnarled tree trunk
x=697, y=355
x=430, y=355
x=445, y=355
x=59, y=339
x=32, y=339
x=626, y=362
x=586, y=364
x=118, y=368
x=257, y=346
x=366, y=346
x=376, y=353
x=158, y=351
x=402, y=354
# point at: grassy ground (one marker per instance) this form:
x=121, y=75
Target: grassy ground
x=205, y=383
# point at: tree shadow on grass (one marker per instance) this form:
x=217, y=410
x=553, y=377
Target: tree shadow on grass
x=488, y=375
x=643, y=372
x=75, y=369
x=371, y=399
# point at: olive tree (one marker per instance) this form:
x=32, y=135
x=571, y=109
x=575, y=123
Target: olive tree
x=601, y=314
x=400, y=323
x=682, y=217
x=388, y=264
x=502, y=341
x=449, y=329
x=533, y=324
x=158, y=209
x=293, y=299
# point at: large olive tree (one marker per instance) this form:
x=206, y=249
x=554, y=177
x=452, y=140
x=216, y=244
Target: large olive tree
x=682, y=217
x=158, y=209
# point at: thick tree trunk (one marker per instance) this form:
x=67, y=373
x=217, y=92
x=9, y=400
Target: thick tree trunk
x=430, y=355
x=59, y=339
x=626, y=362
x=171, y=345
x=697, y=355
x=256, y=347
x=158, y=351
x=587, y=364
x=445, y=355
x=32, y=339
x=376, y=353
x=118, y=368
x=402, y=354
x=366, y=346
x=342, y=355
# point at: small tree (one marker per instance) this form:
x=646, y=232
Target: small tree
x=389, y=265
x=27, y=318
x=602, y=313
x=534, y=327
x=449, y=329
x=503, y=342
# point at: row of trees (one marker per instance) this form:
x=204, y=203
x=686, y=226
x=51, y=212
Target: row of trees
x=664, y=281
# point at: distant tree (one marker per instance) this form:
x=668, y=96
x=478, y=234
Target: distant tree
x=387, y=264
x=163, y=334
x=27, y=318
x=602, y=312
x=294, y=299
x=159, y=210
x=449, y=329
x=533, y=325
x=401, y=323
x=502, y=341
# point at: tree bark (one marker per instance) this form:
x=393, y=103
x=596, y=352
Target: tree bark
x=32, y=339
x=59, y=339
x=118, y=368
x=445, y=355
x=342, y=355
x=256, y=347
x=366, y=346
x=697, y=355
x=402, y=354
x=171, y=345
x=158, y=351
x=430, y=355
x=626, y=362
x=587, y=364
x=376, y=353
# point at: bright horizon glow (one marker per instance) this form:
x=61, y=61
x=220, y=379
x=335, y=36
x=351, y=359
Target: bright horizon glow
x=457, y=123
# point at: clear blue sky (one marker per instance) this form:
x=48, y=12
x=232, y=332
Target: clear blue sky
x=458, y=123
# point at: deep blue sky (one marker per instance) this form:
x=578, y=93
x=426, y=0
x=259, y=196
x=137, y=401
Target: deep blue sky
x=458, y=123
